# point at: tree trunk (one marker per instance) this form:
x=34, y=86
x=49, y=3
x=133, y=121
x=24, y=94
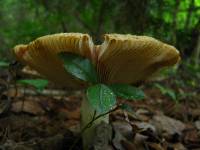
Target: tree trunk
x=174, y=23
x=189, y=14
x=197, y=53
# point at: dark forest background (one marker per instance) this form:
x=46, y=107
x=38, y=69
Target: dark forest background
x=176, y=22
x=173, y=21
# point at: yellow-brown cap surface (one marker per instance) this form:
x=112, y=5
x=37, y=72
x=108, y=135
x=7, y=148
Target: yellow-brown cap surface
x=120, y=59
x=41, y=55
x=129, y=58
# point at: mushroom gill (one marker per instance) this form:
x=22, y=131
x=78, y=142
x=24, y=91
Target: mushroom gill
x=130, y=58
x=41, y=55
x=119, y=59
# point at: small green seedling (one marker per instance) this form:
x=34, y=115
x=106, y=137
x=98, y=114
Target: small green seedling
x=4, y=64
x=167, y=91
x=100, y=98
x=38, y=84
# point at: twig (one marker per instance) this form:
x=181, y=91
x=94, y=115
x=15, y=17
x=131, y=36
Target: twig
x=32, y=92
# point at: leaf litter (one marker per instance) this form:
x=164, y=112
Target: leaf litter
x=49, y=121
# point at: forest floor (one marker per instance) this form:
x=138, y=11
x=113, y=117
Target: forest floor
x=51, y=120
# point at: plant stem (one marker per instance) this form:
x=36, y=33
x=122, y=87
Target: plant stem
x=90, y=124
x=89, y=121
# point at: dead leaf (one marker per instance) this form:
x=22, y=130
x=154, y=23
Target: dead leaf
x=197, y=124
x=143, y=114
x=28, y=106
x=118, y=138
x=195, y=113
x=167, y=126
x=146, y=126
x=15, y=92
x=65, y=113
x=179, y=146
x=130, y=146
x=155, y=146
x=124, y=128
x=191, y=138
x=137, y=144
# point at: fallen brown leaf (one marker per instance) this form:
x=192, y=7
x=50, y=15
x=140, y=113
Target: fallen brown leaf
x=28, y=106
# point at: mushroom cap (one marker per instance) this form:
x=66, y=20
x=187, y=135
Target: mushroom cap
x=131, y=58
x=41, y=55
x=119, y=59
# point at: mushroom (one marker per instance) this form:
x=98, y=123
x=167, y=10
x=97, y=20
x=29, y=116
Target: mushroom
x=119, y=59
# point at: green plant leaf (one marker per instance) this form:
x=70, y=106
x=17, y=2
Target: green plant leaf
x=39, y=84
x=4, y=64
x=126, y=107
x=79, y=66
x=101, y=98
x=127, y=92
x=166, y=91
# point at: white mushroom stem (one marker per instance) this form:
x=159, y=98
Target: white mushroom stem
x=87, y=114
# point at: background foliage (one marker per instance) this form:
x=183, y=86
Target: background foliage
x=174, y=21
